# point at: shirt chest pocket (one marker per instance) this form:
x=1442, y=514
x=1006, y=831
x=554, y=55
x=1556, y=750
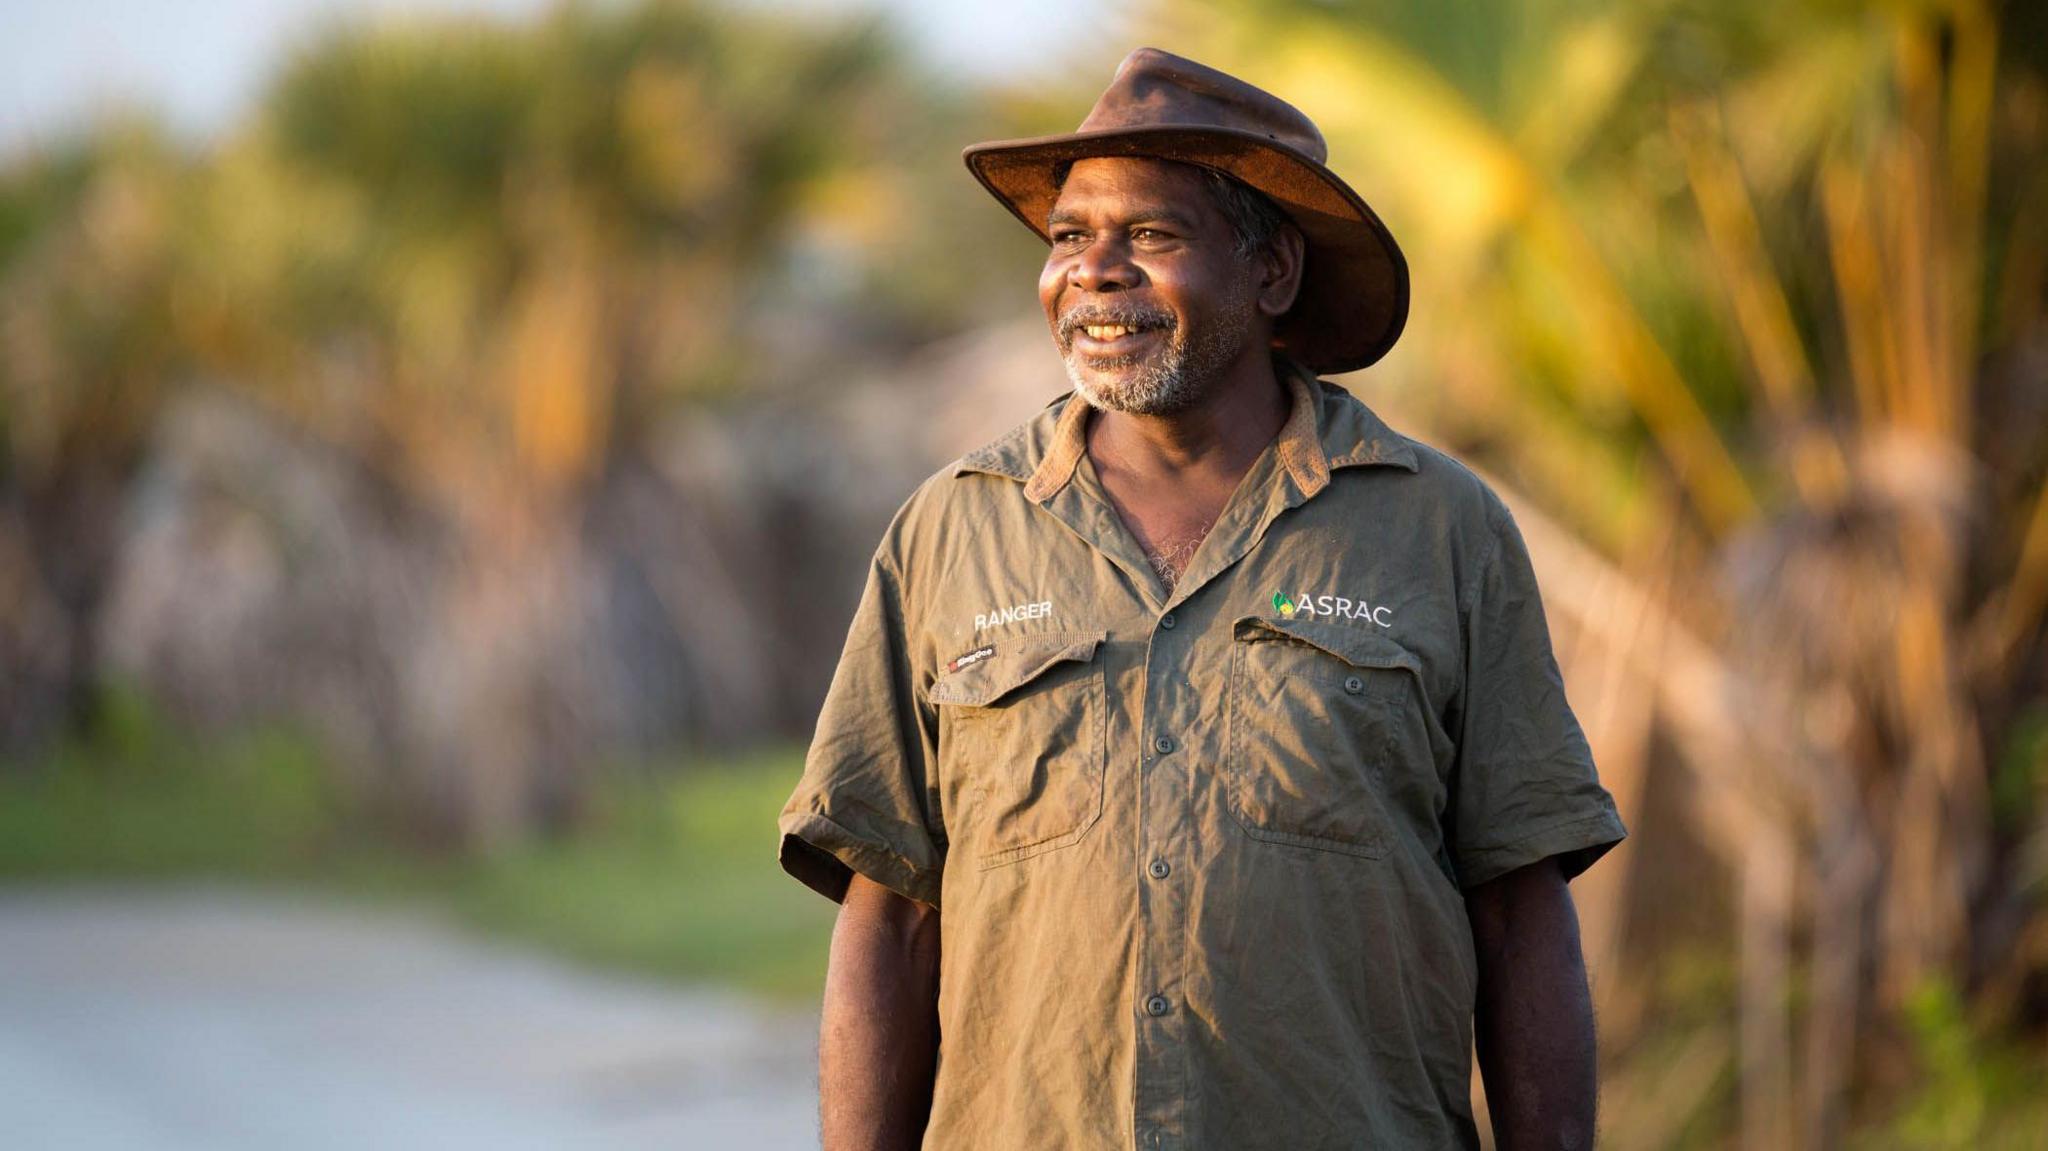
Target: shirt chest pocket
x=1022, y=742
x=1319, y=724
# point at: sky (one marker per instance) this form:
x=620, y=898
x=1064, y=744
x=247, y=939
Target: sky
x=198, y=63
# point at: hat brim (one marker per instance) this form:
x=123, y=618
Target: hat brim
x=1354, y=292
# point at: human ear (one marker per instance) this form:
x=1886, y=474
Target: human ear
x=1280, y=271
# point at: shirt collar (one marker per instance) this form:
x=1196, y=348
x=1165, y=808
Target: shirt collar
x=1327, y=428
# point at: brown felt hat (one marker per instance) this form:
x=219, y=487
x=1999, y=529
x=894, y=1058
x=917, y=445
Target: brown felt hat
x=1354, y=289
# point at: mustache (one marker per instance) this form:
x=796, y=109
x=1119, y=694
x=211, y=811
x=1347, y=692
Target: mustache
x=1136, y=316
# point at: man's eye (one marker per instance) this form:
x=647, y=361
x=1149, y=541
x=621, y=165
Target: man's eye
x=1068, y=237
x=1150, y=235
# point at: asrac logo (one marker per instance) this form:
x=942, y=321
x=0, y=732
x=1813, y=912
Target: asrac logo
x=1334, y=606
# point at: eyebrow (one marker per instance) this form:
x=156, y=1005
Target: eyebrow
x=1167, y=216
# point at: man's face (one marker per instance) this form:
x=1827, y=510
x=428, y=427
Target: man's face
x=1149, y=303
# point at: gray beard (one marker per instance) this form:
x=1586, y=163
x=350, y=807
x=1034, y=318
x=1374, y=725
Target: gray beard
x=1178, y=377
x=1150, y=389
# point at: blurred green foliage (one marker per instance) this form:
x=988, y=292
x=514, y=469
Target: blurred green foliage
x=672, y=874
x=136, y=798
x=479, y=252
x=1972, y=1092
x=675, y=875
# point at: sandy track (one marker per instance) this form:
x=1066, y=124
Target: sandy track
x=219, y=1018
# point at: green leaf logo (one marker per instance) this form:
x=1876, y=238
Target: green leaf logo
x=1282, y=604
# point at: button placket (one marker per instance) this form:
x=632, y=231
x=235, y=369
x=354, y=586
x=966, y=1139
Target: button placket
x=1164, y=826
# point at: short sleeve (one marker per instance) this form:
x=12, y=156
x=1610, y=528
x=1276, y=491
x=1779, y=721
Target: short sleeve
x=1524, y=786
x=865, y=802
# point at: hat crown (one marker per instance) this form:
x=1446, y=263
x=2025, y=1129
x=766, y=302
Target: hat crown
x=1155, y=89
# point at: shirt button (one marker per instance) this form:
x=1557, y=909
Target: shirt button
x=1157, y=1005
x=1353, y=684
x=1159, y=868
x=1167, y=621
x=1163, y=744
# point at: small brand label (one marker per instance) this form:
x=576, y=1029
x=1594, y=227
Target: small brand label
x=970, y=658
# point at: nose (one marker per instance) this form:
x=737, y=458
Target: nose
x=1103, y=266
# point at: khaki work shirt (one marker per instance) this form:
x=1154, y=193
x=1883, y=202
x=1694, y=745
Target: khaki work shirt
x=1199, y=854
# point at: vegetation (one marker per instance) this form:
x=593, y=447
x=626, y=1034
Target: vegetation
x=488, y=266
x=135, y=799
x=675, y=876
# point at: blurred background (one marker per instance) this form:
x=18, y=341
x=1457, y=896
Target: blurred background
x=440, y=445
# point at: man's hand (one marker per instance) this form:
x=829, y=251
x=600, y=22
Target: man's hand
x=1534, y=1019
x=879, y=1042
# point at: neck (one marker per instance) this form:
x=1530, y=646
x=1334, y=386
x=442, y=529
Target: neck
x=1227, y=428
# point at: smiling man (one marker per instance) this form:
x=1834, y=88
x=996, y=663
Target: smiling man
x=1197, y=773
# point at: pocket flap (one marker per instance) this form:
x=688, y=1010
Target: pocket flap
x=1355, y=646
x=1013, y=662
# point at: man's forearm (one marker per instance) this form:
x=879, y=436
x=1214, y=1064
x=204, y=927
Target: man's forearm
x=878, y=1044
x=1534, y=1017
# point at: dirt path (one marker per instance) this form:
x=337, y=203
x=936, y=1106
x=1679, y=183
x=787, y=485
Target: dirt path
x=220, y=1019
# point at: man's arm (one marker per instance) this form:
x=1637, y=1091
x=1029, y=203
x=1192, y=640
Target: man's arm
x=1534, y=1019
x=878, y=1045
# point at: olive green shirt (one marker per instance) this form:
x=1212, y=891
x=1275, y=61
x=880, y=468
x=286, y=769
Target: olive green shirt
x=1199, y=853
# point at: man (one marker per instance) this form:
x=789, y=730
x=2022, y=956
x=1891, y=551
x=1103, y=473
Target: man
x=1197, y=773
